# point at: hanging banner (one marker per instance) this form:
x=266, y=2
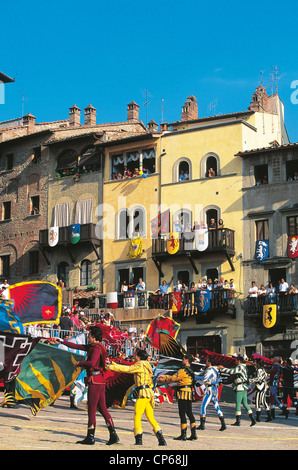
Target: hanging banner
x=75, y=233
x=53, y=236
x=135, y=248
x=262, y=250
x=129, y=299
x=175, y=301
x=112, y=300
x=269, y=315
x=173, y=243
x=203, y=300
x=201, y=239
x=293, y=246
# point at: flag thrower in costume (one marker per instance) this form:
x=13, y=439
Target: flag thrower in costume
x=36, y=302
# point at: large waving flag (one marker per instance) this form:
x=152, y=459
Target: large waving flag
x=45, y=373
x=14, y=348
x=112, y=337
x=36, y=302
x=9, y=322
x=159, y=325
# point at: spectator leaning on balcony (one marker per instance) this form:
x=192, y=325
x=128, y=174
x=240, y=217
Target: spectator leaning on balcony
x=141, y=285
x=292, y=294
x=271, y=294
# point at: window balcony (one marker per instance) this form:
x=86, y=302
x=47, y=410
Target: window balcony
x=220, y=241
x=286, y=304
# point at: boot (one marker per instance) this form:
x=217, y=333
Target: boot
x=72, y=403
x=258, y=414
x=253, y=421
x=89, y=439
x=296, y=410
x=182, y=436
x=223, y=424
x=272, y=413
x=237, y=422
x=113, y=436
x=139, y=439
x=202, y=423
x=160, y=438
x=193, y=435
x=285, y=412
x=268, y=416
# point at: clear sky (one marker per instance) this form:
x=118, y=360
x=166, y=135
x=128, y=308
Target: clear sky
x=65, y=52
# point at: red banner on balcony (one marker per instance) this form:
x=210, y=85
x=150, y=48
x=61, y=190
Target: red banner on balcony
x=175, y=301
x=293, y=246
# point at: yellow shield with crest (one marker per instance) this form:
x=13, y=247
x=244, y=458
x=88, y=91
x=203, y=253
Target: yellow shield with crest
x=173, y=243
x=269, y=315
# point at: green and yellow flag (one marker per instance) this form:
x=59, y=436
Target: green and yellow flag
x=45, y=373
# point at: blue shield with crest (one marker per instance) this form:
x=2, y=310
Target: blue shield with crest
x=262, y=250
x=203, y=300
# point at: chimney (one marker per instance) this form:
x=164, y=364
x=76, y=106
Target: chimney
x=190, y=109
x=164, y=126
x=29, y=122
x=259, y=101
x=133, y=111
x=90, y=116
x=74, y=116
x=152, y=126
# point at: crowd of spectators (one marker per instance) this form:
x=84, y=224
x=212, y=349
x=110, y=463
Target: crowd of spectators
x=129, y=174
x=273, y=295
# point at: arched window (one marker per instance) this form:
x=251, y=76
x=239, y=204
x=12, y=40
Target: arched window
x=182, y=220
x=86, y=272
x=182, y=170
x=210, y=165
x=139, y=222
x=63, y=272
x=123, y=224
x=131, y=223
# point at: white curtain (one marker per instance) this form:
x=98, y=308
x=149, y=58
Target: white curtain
x=62, y=214
x=83, y=214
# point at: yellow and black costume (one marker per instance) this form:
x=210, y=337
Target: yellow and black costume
x=144, y=393
x=185, y=379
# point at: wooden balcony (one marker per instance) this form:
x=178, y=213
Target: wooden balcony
x=88, y=235
x=219, y=241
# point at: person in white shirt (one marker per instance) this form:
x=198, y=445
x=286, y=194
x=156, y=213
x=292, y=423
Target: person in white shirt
x=141, y=285
x=4, y=287
x=253, y=295
x=283, y=291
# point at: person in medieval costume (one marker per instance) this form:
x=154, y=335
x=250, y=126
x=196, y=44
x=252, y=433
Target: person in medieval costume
x=95, y=366
x=261, y=387
x=143, y=393
x=240, y=386
x=211, y=381
x=185, y=381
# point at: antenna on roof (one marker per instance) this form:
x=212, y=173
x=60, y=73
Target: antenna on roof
x=275, y=78
x=213, y=105
x=146, y=104
x=162, y=108
x=23, y=103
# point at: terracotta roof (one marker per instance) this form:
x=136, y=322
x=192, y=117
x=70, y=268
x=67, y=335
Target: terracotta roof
x=268, y=149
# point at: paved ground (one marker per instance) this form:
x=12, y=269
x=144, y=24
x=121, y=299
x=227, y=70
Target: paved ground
x=58, y=428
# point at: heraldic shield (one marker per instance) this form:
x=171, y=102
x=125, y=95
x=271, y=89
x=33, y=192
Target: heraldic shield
x=203, y=300
x=175, y=301
x=173, y=243
x=53, y=236
x=75, y=233
x=262, y=250
x=269, y=315
x=293, y=246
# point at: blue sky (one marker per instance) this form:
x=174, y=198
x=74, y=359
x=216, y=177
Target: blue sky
x=107, y=54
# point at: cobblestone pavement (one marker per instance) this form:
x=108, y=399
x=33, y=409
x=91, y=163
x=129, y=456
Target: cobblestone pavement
x=58, y=428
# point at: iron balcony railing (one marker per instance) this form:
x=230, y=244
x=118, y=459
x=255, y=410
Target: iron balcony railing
x=286, y=303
